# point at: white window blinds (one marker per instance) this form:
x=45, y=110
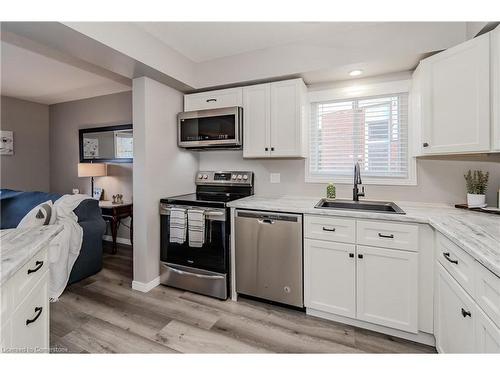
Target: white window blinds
x=371, y=130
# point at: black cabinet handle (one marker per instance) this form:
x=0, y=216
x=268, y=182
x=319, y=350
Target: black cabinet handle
x=386, y=235
x=425, y=144
x=272, y=148
x=38, y=311
x=466, y=313
x=211, y=100
x=351, y=255
x=447, y=256
x=38, y=265
x=360, y=256
x=328, y=229
x=267, y=149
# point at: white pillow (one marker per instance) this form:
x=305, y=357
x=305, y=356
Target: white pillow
x=43, y=214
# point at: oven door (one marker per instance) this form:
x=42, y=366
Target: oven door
x=220, y=128
x=213, y=255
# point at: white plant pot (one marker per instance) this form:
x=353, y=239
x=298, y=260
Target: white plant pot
x=476, y=200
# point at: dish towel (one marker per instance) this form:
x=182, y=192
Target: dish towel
x=177, y=225
x=196, y=227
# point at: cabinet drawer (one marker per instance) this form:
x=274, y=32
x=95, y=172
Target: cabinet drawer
x=28, y=276
x=457, y=262
x=30, y=321
x=387, y=234
x=330, y=229
x=214, y=99
x=487, y=292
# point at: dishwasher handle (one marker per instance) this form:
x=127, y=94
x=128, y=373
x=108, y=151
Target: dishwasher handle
x=268, y=217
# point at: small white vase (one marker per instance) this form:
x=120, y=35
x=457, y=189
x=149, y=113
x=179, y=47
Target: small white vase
x=476, y=200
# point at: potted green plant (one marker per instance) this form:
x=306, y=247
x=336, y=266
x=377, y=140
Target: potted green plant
x=477, y=182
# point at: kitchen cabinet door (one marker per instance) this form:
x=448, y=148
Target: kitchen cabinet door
x=330, y=277
x=387, y=287
x=287, y=111
x=487, y=334
x=257, y=121
x=213, y=99
x=456, y=99
x=495, y=88
x=455, y=316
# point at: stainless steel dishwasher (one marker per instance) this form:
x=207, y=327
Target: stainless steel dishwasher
x=268, y=252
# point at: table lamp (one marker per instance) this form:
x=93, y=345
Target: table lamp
x=92, y=170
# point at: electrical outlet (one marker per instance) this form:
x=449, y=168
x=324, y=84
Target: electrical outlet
x=275, y=178
x=76, y=191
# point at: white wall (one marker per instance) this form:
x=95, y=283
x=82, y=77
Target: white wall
x=438, y=180
x=28, y=168
x=161, y=169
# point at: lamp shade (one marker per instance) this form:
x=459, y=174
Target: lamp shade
x=92, y=169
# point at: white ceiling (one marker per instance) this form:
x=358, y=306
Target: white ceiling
x=204, y=41
x=31, y=76
x=227, y=53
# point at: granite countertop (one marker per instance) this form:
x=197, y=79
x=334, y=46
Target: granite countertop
x=475, y=232
x=19, y=245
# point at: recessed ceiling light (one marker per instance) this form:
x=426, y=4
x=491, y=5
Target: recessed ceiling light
x=354, y=73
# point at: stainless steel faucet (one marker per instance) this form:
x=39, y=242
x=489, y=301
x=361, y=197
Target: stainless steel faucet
x=357, y=181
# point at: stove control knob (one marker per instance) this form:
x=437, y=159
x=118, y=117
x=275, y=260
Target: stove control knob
x=245, y=177
x=233, y=177
x=205, y=176
x=200, y=176
x=239, y=177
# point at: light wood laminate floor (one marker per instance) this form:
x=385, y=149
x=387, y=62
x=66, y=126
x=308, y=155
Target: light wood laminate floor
x=102, y=314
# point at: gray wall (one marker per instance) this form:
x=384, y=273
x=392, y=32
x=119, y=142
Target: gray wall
x=65, y=120
x=439, y=181
x=28, y=168
x=160, y=169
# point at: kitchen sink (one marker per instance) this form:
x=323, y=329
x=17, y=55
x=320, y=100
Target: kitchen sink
x=371, y=206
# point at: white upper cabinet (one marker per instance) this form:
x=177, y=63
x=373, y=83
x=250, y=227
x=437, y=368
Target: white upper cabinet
x=274, y=120
x=456, y=99
x=287, y=112
x=495, y=88
x=214, y=99
x=257, y=121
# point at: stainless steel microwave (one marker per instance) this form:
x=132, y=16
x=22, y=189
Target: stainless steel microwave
x=211, y=128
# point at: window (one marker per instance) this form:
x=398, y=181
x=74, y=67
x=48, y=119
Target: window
x=371, y=130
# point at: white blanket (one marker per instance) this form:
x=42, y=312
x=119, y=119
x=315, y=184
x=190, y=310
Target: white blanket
x=64, y=248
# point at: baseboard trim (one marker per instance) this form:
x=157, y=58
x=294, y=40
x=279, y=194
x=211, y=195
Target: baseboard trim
x=145, y=287
x=420, y=337
x=123, y=241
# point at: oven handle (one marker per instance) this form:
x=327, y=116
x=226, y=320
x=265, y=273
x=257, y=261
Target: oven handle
x=187, y=273
x=166, y=211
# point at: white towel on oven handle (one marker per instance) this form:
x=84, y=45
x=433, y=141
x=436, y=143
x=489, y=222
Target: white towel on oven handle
x=177, y=225
x=196, y=227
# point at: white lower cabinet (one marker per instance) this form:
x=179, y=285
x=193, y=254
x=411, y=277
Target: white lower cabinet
x=487, y=334
x=387, y=287
x=330, y=277
x=454, y=317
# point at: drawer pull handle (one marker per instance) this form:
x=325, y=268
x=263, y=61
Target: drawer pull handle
x=386, y=235
x=360, y=256
x=466, y=313
x=38, y=265
x=351, y=255
x=328, y=229
x=447, y=256
x=38, y=311
x=211, y=100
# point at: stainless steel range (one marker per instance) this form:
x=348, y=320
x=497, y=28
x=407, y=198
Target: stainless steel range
x=195, y=232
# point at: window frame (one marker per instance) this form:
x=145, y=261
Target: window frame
x=359, y=92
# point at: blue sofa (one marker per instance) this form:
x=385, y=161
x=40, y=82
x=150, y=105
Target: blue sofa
x=14, y=205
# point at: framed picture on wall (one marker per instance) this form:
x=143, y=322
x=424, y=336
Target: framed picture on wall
x=97, y=193
x=6, y=142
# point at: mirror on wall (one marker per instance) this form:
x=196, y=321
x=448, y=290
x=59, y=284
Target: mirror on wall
x=109, y=143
